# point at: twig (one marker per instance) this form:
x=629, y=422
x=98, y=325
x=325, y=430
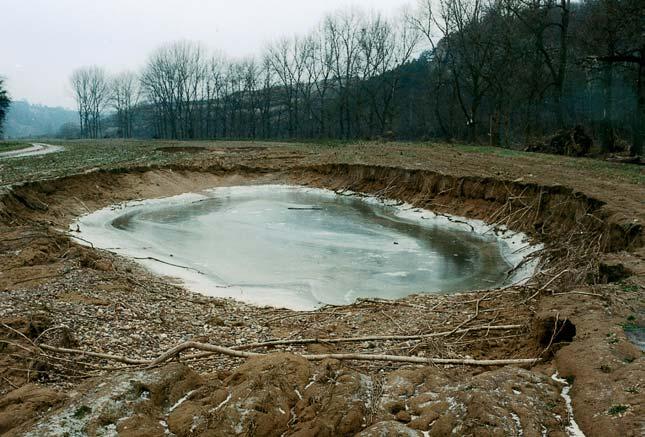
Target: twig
x=37, y=278
x=83, y=204
x=547, y=284
x=152, y=258
x=10, y=383
x=110, y=357
x=584, y=293
x=393, y=321
x=82, y=239
x=454, y=220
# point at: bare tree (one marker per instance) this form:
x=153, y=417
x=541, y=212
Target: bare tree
x=615, y=35
x=385, y=46
x=287, y=58
x=318, y=66
x=508, y=69
x=173, y=81
x=124, y=99
x=267, y=79
x=213, y=93
x=5, y=101
x=469, y=50
x=92, y=93
x=548, y=21
x=343, y=31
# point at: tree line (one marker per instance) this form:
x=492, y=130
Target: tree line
x=5, y=101
x=504, y=72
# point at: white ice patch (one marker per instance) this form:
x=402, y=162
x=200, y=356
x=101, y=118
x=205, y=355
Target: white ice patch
x=518, y=424
x=181, y=401
x=573, y=430
x=224, y=402
x=397, y=274
x=310, y=383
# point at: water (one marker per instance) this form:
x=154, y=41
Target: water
x=300, y=248
x=636, y=335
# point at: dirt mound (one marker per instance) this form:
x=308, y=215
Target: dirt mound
x=25, y=404
x=285, y=395
x=184, y=149
x=567, y=142
x=130, y=404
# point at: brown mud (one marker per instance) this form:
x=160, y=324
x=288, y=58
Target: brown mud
x=571, y=315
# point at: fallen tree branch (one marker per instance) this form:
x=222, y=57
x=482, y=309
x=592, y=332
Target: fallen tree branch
x=38, y=278
x=152, y=258
x=173, y=352
x=547, y=284
x=454, y=220
x=421, y=360
x=110, y=357
x=372, y=337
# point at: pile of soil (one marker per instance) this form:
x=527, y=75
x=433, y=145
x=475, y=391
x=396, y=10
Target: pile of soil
x=567, y=142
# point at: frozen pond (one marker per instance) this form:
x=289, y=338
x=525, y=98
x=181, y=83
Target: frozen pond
x=300, y=248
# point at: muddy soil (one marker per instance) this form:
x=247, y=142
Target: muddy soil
x=57, y=297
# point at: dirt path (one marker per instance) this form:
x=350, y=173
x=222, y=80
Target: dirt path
x=35, y=149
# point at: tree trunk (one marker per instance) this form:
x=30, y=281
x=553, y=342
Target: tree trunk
x=607, y=138
x=639, y=116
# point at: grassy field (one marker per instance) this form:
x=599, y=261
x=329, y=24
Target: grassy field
x=8, y=146
x=628, y=172
x=82, y=155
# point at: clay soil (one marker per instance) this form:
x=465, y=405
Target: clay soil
x=58, y=298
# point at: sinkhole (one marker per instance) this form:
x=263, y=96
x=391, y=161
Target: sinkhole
x=301, y=248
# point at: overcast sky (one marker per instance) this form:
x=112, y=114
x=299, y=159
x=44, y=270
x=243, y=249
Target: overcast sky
x=43, y=41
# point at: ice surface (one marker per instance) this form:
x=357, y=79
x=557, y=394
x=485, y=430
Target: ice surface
x=300, y=248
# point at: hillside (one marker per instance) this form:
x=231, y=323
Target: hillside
x=26, y=120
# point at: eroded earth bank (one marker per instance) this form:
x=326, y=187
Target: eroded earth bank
x=87, y=336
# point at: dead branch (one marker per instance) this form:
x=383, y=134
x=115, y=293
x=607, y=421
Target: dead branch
x=421, y=360
x=152, y=258
x=175, y=351
x=547, y=284
x=373, y=337
x=454, y=220
x=110, y=357
x=38, y=278
x=584, y=293
x=10, y=383
x=76, y=237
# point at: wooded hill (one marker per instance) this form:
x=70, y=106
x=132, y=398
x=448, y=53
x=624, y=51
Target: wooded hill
x=504, y=72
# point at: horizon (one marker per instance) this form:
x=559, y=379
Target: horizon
x=236, y=30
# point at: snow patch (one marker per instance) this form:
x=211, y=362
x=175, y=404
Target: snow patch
x=181, y=401
x=518, y=424
x=573, y=430
x=224, y=402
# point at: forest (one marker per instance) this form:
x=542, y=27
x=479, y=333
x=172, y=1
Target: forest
x=508, y=73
